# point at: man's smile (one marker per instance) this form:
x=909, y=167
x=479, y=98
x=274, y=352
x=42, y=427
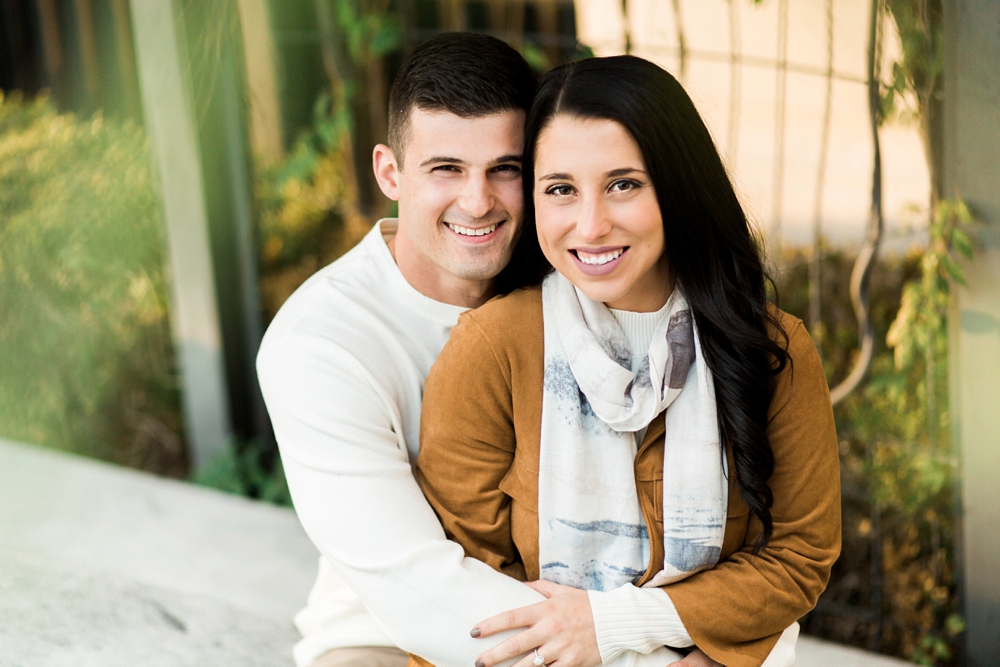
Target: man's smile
x=475, y=234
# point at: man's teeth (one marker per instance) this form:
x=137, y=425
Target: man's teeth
x=468, y=231
x=597, y=260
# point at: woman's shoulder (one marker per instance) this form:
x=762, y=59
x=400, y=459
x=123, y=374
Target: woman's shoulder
x=790, y=333
x=803, y=377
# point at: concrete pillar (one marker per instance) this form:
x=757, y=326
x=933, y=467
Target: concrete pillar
x=972, y=172
x=262, y=79
x=194, y=314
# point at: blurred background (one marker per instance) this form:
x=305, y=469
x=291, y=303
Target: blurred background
x=170, y=172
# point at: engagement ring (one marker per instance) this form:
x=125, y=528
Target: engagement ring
x=539, y=660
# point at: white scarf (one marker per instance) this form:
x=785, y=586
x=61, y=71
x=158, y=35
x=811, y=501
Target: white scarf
x=592, y=534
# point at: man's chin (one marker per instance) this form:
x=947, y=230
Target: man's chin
x=479, y=270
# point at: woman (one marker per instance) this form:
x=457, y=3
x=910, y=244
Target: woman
x=643, y=424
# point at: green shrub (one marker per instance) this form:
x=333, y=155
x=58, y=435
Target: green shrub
x=86, y=362
x=894, y=587
x=247, y=469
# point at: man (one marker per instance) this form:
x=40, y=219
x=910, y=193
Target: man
x=343, y=363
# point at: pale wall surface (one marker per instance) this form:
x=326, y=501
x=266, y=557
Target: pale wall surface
x=106, y=567
x=972, y=171
x=749, y=144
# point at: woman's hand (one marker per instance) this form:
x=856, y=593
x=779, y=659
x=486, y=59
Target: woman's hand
x=561, y=628
x=696, y=659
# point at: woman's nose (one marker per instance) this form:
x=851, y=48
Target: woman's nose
x=593, y=222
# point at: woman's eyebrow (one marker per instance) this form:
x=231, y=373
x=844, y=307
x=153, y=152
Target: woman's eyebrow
x=558, y=176
x=624, y=171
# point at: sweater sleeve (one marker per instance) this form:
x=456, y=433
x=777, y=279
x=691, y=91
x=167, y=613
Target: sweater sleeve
x=737, y=611
x=640, y=619
x=356, y=497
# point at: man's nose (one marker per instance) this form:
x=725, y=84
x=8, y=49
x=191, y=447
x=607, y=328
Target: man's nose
x=476, y=197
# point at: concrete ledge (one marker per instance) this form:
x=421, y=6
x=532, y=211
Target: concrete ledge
x=109, y=567
x=102, y=566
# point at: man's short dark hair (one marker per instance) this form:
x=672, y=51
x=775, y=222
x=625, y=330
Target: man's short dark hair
x=463, y=73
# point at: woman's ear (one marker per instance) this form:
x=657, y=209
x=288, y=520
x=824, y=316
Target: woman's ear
x=386, y=171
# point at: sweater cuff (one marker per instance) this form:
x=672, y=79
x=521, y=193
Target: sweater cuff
x=636, y=619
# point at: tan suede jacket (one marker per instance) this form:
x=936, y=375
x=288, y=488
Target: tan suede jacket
x=478, y=466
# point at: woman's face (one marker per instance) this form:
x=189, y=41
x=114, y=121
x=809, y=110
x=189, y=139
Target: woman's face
x=598, y=219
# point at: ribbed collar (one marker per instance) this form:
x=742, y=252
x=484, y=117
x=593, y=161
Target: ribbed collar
x=639, y=329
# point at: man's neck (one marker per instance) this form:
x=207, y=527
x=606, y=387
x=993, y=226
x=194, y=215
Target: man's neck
x=434, y=283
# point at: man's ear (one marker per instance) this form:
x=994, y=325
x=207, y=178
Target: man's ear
x=386, y=171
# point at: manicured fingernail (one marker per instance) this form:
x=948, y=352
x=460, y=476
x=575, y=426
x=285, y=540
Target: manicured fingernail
x=475, y=632
x=480, y=663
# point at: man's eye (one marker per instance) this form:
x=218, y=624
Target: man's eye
x=445, y=167
x=508, y=169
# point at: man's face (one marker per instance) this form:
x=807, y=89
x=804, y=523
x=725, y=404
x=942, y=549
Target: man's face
x=459, y=192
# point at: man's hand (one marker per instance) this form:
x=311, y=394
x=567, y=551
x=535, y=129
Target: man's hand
x=561, y=628
x=696, y=659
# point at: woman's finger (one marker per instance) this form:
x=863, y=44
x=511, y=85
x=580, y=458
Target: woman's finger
x=522, y=642
x=521, y=617
x=529, y=660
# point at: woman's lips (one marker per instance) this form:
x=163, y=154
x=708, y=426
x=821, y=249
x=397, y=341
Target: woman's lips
x=601, y=260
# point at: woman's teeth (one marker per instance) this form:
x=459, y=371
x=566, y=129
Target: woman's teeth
x=597, y=260
x=468, y=231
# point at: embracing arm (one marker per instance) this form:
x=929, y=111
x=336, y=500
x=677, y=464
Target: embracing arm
x=355, y=494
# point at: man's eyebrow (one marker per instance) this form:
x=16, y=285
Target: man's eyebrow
x=441, y=159
x=505, y=159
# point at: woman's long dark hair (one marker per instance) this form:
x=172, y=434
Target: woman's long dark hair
x=712, y=252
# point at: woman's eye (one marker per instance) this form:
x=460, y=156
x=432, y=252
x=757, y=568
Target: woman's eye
x=559, y=190
x=623, y=185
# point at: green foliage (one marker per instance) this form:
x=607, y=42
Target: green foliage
x=920, y=324
x=894, y=585
x=918, y=71
x=249, y=469
x=370, y=30
x=535, y=57
x=87, y=363
x=302, y=209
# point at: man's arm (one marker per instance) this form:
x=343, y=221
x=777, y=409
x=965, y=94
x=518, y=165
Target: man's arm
x=357, y=499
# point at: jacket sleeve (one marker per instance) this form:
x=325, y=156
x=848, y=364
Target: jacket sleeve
x=467, y=446
x=356, y=496
x=736, y=611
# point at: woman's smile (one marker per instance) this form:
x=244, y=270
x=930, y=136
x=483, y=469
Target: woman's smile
x=598, y=261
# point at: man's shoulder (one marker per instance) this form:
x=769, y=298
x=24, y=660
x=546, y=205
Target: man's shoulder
x=330, y=297
x=328, y=321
